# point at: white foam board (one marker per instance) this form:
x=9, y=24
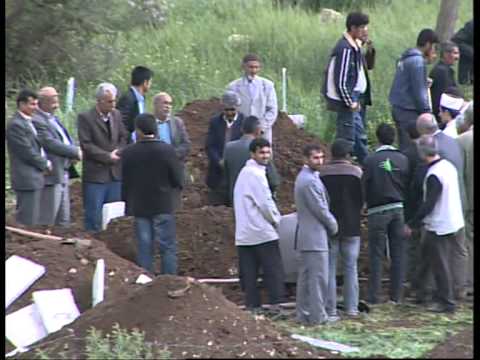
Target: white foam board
x=98, y=283
x=24, y=327
x=111, y=211
x=329, y=345
x=20, y=274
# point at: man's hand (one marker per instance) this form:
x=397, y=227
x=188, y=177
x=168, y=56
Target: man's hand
x=80, y=154
x=355, y=106
x=221, y=163
x=407, y=230
x=114, y=155
x=49, y=167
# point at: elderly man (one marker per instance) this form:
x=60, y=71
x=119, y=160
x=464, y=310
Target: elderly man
x=257, y=95
x=442, y=74
x=132, y=102
x=102, y=136
x=28, y=160
x=409, y=92
x=441, y=214
x=316, y=225
x=225, y=127
x=449, y=149
x=61, y=150
x=466, y=143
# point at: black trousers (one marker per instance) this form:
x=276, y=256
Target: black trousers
x=437, y=251
x=267, y=257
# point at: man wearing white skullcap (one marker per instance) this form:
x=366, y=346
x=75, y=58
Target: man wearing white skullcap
x=449, y=109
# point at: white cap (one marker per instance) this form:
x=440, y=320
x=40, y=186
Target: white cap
x=450, y=102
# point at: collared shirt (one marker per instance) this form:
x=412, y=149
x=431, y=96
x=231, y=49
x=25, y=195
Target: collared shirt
x=29, y=122
x=230, y=123
x=251, y=86
x=451, y=129
x=164, y=132
x=140, y=100
x=386, y=147
x=53, y=120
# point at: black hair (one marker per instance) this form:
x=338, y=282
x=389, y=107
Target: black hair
x=309, y=148
x=146, y=123
x=356, y=19
x=24, y=94
x=250, y=125
x=250, y=57
x=427, y=36
x=385, y=134
x=258, y=144
x=341, y=148
x=140, y=74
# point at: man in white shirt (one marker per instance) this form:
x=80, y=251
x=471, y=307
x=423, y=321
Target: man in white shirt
x=256, y=221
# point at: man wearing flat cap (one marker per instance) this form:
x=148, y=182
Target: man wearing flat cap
x=225, y=127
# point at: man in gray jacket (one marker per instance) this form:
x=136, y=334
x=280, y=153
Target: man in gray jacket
x=28, y=160
x=61, y=151
x=409, y=94
x=315, y=225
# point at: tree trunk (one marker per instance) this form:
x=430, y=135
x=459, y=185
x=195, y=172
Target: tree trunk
x=447, y=17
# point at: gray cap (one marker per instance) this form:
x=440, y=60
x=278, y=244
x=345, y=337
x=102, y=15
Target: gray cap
x=230, y=99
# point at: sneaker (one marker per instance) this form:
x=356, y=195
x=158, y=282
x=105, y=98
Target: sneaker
x=438, y=308
x=333, y=318
x=352, y=314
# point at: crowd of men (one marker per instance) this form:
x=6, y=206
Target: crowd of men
x=418, y=197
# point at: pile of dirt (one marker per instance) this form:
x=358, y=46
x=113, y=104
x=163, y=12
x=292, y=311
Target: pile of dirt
x=200, y=323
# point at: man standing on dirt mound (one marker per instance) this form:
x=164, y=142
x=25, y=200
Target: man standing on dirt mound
x=347, y=87
x=150, y=173
x=257, y=95
x=256, y=220
x=102, y=136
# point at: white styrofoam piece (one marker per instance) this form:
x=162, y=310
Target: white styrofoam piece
x=24, y=327
x=143, y=279
x=298, y=120
x=57, y=308
x=111, y=211
x=20, y=274
x=98, y=283
x=329, y=345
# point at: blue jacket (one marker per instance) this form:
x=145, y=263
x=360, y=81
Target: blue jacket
x=409, y=88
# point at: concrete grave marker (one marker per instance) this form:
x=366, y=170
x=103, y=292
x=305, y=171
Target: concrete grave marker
x=111, y=211
x=98, y=284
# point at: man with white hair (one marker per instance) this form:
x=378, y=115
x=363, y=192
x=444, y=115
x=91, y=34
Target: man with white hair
x=62, y=151
x=449, y=108
x=102, y=136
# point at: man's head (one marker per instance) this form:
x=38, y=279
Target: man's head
x=426, y=40
x=27, y=101
x=231, y=101
x=145, y=126
x=385, y=134
x=426, y=124
x=142, y=78
x=428, y=148
x=48, y=99
x=449, y=107
x=357, y=25
x=106, y=97
x=251, y=126
x=313, y=156
x=449, y=52
x=341, y=149
x=162, y=105
x=260, y=151
x=251, y=65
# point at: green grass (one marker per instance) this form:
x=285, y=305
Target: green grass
x=391, y=331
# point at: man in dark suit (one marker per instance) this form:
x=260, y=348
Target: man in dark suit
x=102, y=136
x=28, y=160
x=61, y=151
x=132, y=102
x=224, y=127
x=150, y=173
x=238, y=152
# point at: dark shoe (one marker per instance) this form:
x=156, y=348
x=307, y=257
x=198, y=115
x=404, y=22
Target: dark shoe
x=438, y=308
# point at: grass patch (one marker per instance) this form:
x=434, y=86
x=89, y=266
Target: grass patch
x=401, y=331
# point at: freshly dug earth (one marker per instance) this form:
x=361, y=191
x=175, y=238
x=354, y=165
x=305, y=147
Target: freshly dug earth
x=458, y=346
x=201, y=323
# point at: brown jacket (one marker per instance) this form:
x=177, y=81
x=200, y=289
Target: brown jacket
x=97, y=145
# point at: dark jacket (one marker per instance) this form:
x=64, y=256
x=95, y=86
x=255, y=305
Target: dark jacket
x=343, y=182
x=128, y=105
x=443, y=77
x=341, y=74
x=59, y=153
x=464, y=39
x=27, y=165
x=409, y=88
x=96, y=144
x=418, y=170
x=179, y=137
x=150, y=174
x=215, y=145
x=386, y=177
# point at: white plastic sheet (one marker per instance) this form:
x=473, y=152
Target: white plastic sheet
x=24, y=327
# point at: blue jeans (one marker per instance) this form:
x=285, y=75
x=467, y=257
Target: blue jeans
x=351, y=127
x=382, y=227
x=94, y=196
x=159, y=229
x=349, y=249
